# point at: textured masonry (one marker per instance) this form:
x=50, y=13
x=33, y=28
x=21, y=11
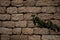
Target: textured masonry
x=41, y=31
x=4, y=17
x=16, y=31
x=29, y=9
x=11, y=10
x=21, y=24
x=5, y=31
x=4, y=2
x=17, y=17
x=27, y=31
x=16, y=21
x=8, y=24
x=2, y=9
x=50, y=37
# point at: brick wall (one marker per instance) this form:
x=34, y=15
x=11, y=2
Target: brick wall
x=16, y=23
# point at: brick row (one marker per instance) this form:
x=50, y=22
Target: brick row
x=30, y=37
x=19, y=17
x=50, y=37
x=47, y=3
x=21, y=37
x=7, y=31
x=30, y=9
x=29, y=3
x=12, y=24
x=27, y=31
x=41, y=31
x=18, y=24
x=49, y=9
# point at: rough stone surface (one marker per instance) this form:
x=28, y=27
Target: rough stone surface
x=34, y=37
x=45, y=16
x=29, y=3
x=50, y=37
x=24, y=37
x=29, y=9
x=43, y=2
x=5, y=31
x=16, y=31
x=8, y=24
x=2, y=9
x=57, y=16
x=21, y=24
x=17, y=3
x=41, y=31
x=17, y=17
x=30, y=24
x=27, y=16
x=27, y=31
x=47, y=3
x=49, y=9
x=4, y=2
x=15, y=37
x=11, y=10
x=4, y=17
x=5, y=37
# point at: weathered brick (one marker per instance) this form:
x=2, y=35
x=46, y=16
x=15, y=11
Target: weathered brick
x=5, y=37
x=58, y=9
x=47, y=3
x=29, y=3
x=30, y=24
x=49, y=9
x=8, y=24
x=45, y=16
x=24, y=37
x=16, y=31
x=4, y=17
x=57, y=15
x=4, y=2
x=57, y=22
x=27, y=16
x=11, y=10
x=34, y=37
x=21, y=24
x=29, y=9
x=27, y=31
x=5, y=31
x=17, y=17
x=17, y=3
x=2, y=9
x=41, y=31
x=15, y=37
x=43, y=2
x=50, y=37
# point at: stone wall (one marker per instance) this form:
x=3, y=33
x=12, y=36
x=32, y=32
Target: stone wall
x=16, y=21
